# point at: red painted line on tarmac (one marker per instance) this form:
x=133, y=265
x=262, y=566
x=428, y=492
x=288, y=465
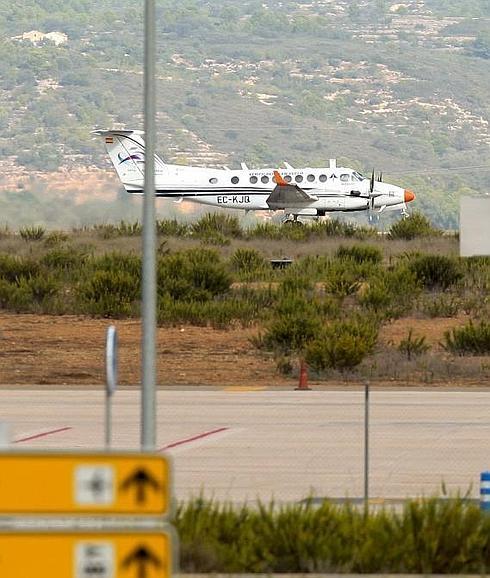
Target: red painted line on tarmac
x=193, y=438
x=42, y=435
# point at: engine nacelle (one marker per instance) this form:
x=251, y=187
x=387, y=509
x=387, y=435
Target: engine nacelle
x=353, y=203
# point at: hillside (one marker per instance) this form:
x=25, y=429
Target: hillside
x=402, y=87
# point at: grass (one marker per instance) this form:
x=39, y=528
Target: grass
x=430, y=536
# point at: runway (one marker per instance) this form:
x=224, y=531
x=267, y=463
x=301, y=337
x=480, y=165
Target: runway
x=235, y=444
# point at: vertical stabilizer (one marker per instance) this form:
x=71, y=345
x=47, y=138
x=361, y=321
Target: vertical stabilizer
x=126, y=149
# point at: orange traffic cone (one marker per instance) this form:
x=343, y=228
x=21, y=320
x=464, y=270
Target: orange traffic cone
x=303, y=377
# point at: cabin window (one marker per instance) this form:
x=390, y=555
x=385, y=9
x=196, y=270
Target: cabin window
x=298, y=178
x=287, y=178
x=253, y=179
x=265, y=179
x=344, y=178
x=235, y=180
x=213, y=180
x=310, y=178
x=322, y=178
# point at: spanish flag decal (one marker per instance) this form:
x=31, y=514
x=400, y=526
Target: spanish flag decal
x=109, y=140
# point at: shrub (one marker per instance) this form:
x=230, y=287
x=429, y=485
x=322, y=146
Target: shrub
x=442, y=306
x=248, y=262
x=428, y=536
x=295, y=323
x=342, y=344
x=417, y=225
x=110, y=293
x=217, y=224
x=55, y=238
x=269, y=231
x=360, y=254
x=32, y=233
x=219, y=314
x=413, y=346
x=342, y=283
x=193, y=275
x=14, y=297
x=436, y=271
x=468, y=340
x=172, y=228
x=64, y=259
x=117, y=261
x=12, y=269
x=391, y=292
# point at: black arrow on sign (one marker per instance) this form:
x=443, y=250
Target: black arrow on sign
x=142, y=559
x=141, y=480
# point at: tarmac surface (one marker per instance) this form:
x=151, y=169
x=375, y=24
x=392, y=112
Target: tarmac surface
x=243, y=443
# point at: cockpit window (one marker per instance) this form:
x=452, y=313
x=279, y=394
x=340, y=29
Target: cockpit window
x=344, y=178
x=357, y=176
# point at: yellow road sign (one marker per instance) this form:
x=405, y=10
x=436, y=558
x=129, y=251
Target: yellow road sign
x=59, y=483
x=86, y=555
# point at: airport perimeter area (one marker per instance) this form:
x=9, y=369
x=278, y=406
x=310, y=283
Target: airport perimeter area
x=240, y=444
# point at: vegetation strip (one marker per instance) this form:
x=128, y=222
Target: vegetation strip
x=430, y=536
x=328, y=307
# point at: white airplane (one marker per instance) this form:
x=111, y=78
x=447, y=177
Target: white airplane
x=307, y=192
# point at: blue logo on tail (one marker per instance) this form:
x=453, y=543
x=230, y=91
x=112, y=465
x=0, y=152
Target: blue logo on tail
x=138, y=157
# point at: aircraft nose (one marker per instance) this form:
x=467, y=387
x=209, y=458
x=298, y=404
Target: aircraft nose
x=408, y=196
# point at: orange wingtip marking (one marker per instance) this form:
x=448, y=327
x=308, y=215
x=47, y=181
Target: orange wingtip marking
x=109, y=140
x=279, y=180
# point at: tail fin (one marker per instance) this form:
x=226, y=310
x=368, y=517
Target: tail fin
x=126, y=150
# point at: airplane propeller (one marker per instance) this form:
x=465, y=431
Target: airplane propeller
x=371, y=185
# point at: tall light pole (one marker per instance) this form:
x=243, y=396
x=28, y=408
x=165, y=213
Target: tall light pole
x=149, y=301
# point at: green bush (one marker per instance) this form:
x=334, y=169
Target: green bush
x=219, y=314
x=64, y=259
x=14, y=268
x=342, y=344
x=217, y=225
x=172, y=228
x=436, y=271
x=294, y=324
x=470, y=339
x=55, y=238
x=193, y=275
x=267, y=230
x=391, y=292
x=115, y=262
x=29, y=293
x=412, y=346
x=424, y=537
x=360, y=254
x=32, y=233
x=417, y=225
x=110, y=293
x=249, y=262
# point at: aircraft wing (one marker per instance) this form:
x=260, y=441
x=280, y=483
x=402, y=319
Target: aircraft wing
x=287, y=195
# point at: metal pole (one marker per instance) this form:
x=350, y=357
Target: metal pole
x=148, y=405
x=108, y=419
x=111, y=358
x=366, y=444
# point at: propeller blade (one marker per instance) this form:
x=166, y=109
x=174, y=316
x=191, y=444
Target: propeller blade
x=380, y=177
x=371, y=187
